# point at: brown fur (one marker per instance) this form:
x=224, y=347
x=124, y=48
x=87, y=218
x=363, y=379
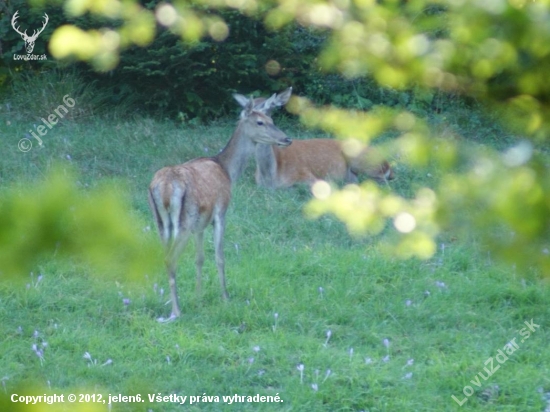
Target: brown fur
x=306, y=161
x=205, y=188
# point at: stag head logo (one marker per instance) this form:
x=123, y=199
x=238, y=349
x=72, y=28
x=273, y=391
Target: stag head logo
x=29, y=40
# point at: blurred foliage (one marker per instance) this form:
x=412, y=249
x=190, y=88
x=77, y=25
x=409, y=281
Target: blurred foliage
x=54, y=218
x=509, y=192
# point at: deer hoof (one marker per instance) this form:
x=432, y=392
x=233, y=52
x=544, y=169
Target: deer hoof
x=167, y=320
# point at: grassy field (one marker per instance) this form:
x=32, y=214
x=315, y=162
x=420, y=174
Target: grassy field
x=317, y=319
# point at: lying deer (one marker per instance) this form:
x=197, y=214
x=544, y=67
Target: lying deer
x=186, y=198
x=309, y=160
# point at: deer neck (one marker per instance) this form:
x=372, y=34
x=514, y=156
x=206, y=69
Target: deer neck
x=267, y=164
x=235, y=154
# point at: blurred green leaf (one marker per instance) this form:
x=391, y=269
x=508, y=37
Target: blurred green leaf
x=54, y=218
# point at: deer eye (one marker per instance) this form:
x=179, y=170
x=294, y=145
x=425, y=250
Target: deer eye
x=260, y=122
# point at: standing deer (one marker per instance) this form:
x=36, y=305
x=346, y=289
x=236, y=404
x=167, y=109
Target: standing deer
x=313, y=159
x=186, y=198
x=29, y=40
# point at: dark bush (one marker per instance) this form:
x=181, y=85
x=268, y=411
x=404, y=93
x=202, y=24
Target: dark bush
x=173, y=79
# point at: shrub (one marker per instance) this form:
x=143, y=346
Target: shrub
x=35, y=94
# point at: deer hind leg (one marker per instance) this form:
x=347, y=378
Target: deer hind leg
x=173, y=253
x=219, y=229
x=199, y=260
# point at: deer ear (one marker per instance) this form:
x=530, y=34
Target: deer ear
x=283, y=97
x=267, y=105
x=277, y=100
x=249, y=106
x=242, y=100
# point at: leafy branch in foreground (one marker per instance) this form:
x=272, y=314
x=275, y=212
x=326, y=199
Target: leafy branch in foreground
x=54, y=217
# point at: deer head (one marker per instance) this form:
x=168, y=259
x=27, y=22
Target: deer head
x=29, y=40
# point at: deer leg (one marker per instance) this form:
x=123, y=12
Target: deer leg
x=171, y=268
x=176, y=311
x=219, y=229
x=172, y=257
x=199, y=261
x=351, y=176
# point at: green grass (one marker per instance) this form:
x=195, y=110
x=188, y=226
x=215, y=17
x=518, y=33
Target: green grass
x=443, y=317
